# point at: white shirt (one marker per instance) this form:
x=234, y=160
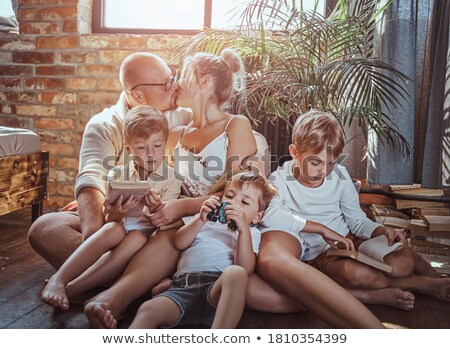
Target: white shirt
x=334, y=204
x=213, y=249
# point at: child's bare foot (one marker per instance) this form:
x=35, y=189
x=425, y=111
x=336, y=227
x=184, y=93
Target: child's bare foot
x=99, y=315
x=393, y=297
x=54, y=293
x=163, y=285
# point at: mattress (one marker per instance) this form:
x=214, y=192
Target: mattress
x=18, y=141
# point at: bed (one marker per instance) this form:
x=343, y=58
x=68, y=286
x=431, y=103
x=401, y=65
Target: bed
x=23, y=171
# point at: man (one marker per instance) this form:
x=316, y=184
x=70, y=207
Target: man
x=145, y=79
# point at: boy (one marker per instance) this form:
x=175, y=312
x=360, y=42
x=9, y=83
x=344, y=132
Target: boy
x=145, y=137
x=210, y=284
x=313, y=187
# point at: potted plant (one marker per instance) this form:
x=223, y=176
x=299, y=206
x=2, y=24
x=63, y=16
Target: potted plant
x=298, y=60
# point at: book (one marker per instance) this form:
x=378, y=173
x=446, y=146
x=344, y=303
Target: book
x=437, y=223
x=433, y=211
x=420, y=191
x=395, y=187
x=370, y=252
x=387, y=211
x=402, y=204
x=418, y=227
x=139, y=188
x=360, y=257
x=393, y=222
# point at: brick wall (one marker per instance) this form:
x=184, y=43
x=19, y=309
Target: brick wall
x=54, y=76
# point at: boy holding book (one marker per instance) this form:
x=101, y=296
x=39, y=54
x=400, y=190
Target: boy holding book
x=210, y=283
x=313, y=187
x=104, y=255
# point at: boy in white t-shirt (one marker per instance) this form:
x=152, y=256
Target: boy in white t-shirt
x=313, y=187
x=104, y=255
x=210, y=283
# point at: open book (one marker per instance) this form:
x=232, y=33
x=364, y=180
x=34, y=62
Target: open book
x=371, y=252
x=141, y=188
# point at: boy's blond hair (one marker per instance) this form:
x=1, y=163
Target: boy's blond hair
x=143, y=121
x=265, y=189
x=315, y=130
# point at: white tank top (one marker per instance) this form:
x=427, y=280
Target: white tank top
x=201, y=170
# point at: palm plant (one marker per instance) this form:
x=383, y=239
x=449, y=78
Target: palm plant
x=298, y=60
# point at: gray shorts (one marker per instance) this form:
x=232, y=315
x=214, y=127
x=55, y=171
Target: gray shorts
x=190, y=292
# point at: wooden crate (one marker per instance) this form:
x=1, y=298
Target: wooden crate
x=23, y=182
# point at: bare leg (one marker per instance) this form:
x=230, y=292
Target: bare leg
x=110, y=266
x=55, y=236
x=228, y=294
x=393, y=297
x=109, y=236
x=156, y=260
x=262, y=297
x=157, y=312
x=422, y=267
x=279, y=265
x=352, y=274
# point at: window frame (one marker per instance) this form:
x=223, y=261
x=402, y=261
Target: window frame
x=98, y=26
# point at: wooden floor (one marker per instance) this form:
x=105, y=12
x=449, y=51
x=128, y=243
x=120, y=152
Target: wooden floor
x=22, y=273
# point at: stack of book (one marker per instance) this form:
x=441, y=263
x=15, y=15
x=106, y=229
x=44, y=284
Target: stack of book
x=416, y=189
x=431, y=235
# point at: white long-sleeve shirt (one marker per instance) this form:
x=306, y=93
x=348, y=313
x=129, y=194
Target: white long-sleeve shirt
x=334, y=204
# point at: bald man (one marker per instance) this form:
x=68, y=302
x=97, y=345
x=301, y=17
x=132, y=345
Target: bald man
x=145, y=79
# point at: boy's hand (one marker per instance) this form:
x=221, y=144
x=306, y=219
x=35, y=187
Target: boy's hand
x=118, y=211
x=208, y=206
x=394, y=235
x=152, y=200
x=237, y=214
x=330, y=236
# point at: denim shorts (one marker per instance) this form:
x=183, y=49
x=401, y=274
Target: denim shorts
x=190, y=291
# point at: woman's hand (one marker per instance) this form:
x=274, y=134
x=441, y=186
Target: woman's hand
x=116, y=212
x=208, y=206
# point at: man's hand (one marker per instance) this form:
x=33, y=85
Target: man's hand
x=116, y=212
x=208, y=206
x=152, y=200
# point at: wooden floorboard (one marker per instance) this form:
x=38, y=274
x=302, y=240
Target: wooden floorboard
x=22, y=273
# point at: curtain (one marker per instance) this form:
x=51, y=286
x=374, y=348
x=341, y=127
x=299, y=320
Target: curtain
x=414, y=38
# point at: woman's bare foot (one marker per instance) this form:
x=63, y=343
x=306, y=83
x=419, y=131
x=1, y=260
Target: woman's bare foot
x=393, y=297
x=54, y=293
x=99, y=315
x=162, y=286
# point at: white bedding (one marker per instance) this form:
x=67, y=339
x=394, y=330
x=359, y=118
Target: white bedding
x=18, y=141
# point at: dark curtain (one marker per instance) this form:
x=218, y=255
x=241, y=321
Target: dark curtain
x=414, y=38
x=432, y=132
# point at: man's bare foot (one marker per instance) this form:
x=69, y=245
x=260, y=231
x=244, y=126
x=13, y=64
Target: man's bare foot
x=422, y=267
x=99, y=315
x=54, y=293
x=393, y=297
x=162, y=286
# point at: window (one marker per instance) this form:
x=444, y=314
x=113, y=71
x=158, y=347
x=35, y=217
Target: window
x=169, y=16
x=8, y=22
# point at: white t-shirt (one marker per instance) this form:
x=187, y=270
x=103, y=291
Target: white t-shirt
x=213, y=249
x=334, y=204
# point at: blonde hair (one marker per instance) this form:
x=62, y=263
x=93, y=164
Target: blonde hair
x=265, y=189
x=143, y=121
x=315, y=130
x=227, y=70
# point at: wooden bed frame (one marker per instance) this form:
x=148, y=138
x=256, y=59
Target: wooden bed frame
x=23, y=182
